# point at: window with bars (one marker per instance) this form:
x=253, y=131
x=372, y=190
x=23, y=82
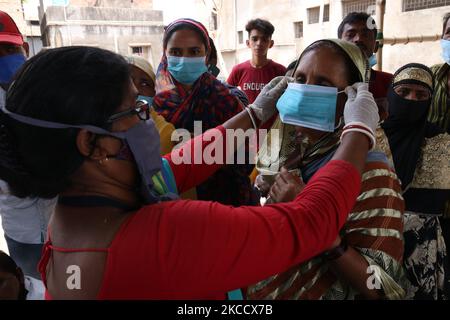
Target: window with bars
x=313, y=15
x=141, y=49
x=412, y=5
x=367, y=6
x=326, y=13
x=137, y=50
x=298, y=29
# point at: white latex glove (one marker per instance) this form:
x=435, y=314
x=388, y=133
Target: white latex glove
x=264, y=107
x=360, y=107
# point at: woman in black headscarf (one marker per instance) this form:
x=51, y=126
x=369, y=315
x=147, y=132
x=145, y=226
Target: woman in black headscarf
x=420, y=151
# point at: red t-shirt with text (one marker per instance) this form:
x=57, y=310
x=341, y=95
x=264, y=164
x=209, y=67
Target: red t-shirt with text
x=379, y=83
x=252, y=80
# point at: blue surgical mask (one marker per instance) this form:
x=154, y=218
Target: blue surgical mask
x=149, y=100
x=309, y=106
x=373, y=60
x=186, y=70
x=9, y=65
x=445, y=45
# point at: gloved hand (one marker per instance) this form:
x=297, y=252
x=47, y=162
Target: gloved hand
x=264, y=107
x=361, y=111
x=361, y=106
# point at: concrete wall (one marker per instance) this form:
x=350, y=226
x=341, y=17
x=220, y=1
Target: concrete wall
x=400, y=24
x=14, y=9
x=145, y=4
x=31, y=13
x=115, y=29
x=23, y=14
x=175, y=9
x=283, y=13
x=234, y=14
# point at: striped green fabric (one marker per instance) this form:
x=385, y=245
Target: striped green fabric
x=440, y=112
x=374, y=228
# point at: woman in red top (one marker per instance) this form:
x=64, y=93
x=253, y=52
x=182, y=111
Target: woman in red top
x=68, y=130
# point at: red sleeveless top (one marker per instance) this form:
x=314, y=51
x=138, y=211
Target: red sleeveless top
x=187, y=249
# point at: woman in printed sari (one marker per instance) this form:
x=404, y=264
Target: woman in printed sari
x=421, y=154
x=439, y=112
x=365, y=261
x=187, y=92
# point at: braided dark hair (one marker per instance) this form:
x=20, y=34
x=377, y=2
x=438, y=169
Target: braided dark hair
x=72, y=85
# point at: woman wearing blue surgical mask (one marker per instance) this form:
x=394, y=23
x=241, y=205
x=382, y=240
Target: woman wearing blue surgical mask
x=144, y=80
x=118, y=231
x=187, y=92
x=307, y=134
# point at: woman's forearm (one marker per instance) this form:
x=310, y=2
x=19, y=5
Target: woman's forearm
x=188, y=163
x=240, y=121
x=353, y=149
x=351, y=268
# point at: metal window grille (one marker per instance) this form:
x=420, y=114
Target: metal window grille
x=298, y=29
x=313, y=15
x=326, y=13
x=412, y=5
x=367, y=6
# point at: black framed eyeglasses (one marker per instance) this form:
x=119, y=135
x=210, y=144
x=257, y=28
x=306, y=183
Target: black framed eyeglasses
x=142, y=110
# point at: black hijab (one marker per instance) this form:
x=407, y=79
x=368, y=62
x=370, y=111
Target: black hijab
x=406, y=126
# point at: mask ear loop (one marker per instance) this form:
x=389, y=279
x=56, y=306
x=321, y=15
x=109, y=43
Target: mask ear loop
x=340, y=123
x=341, y=119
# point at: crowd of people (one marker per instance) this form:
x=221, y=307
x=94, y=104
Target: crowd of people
x=348, y=196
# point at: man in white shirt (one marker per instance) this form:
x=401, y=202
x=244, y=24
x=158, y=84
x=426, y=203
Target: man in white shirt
x=24, y=221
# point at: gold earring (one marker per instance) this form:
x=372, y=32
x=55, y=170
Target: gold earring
x=101, y=161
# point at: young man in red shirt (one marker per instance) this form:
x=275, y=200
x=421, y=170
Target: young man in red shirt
x=360, y=28
x=251, y=76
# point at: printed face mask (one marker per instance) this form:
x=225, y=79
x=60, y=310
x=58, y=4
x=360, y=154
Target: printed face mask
x=141, y=144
